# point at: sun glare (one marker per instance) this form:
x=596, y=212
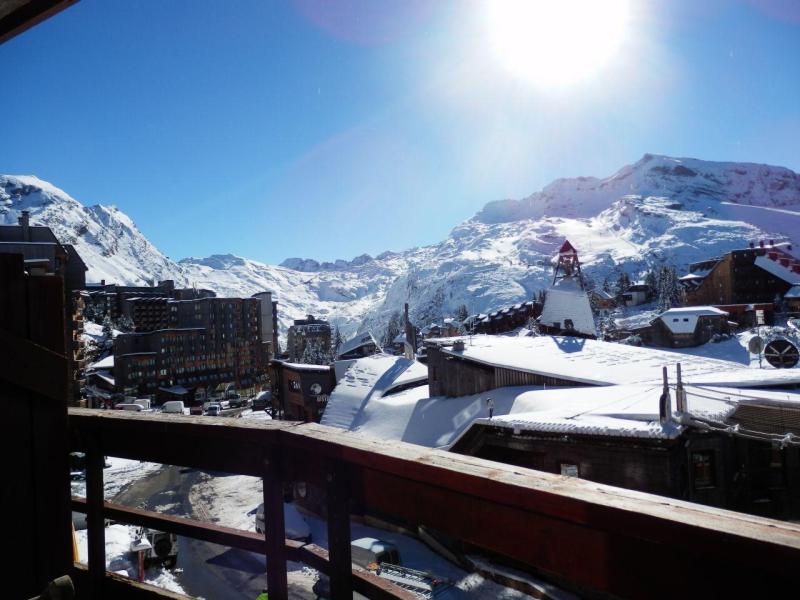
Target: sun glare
x=556, y=42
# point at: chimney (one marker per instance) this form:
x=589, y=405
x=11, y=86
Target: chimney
x=680, y=394
x=25, y=222
x=760, y=243
x=665, y=403
x=772, y=242
x=752, y=245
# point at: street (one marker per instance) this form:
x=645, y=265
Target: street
x=208, y=570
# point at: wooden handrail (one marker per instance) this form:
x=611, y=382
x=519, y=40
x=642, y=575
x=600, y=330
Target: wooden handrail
x=587, y=536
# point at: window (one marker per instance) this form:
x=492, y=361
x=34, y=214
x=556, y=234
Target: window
x=703, y=469
x=569, y=469
x=685, y=320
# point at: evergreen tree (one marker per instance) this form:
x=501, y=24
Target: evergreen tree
x=669, y=291
x=336, y=342
x=622, y=286
x=393, y=329
x=606, y=285
x=462, y=313
x=124, y=324
x=315, y=354
x=108, y=332
x=651, y=281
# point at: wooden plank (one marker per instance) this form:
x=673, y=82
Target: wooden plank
x=274, y=527
x=22, y=362
x=338, y=504
x=94, y=515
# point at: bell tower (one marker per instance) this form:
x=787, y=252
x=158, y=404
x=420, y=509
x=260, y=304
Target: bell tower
x=568, y=265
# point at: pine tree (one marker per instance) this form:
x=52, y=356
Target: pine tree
x=462, y=313
x=393, y=329
x=669, y=292
x=108, y=332
x=651, y=281
x=124, y=324
x=622, y=286
x=337, y=341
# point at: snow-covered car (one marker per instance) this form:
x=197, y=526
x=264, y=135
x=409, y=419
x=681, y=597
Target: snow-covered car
x=294, y=523
x=213, y=410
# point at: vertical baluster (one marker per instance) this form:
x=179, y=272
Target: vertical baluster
x=339, y=532
x=274, y=526
x=94, y=516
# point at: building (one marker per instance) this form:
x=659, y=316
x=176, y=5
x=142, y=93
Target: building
x=210, y=341
x=602, y=302
x=361, y=344
x=636, y=294
x=760, y=273
x=45, y=255
x=566, y=304
x=718, y=449
x=503, y=320
x=308, y=340
x=685, y=327
x=300, y=391
x=792, y=299
x=475, y=364
x=113, y=300
x=269, y=323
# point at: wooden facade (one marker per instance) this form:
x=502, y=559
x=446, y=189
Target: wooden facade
x=713, y=469
x=294, y=395
x=736, y=279
x=454, y=376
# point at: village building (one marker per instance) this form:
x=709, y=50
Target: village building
x=685, y=327
x=792, y=299
x=309, y=333
x=111, y=300
x=566, y=304
x=470, y=365
x=761, y=273
x=269, y=324
x=300, y=391
x=714, y=447
x=209, y=342
x=45, y=255
x=358, y=346
x=505, y=319
x=636, y=294
x=602, y=302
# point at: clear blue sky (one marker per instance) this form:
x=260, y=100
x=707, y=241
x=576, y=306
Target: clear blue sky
x=271, y=129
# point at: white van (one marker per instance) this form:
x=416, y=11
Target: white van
x=173, y=406
x=133, y=407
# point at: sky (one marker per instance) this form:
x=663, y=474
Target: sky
x=270, y=129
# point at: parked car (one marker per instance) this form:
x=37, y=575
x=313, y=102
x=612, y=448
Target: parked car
x=213, y=409
x=173, y=406
x=294, y=523
x=367, y=551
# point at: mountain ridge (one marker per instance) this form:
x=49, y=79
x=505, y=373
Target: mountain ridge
x=658, y=210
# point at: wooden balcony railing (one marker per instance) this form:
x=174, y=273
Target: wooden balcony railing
x=585, y=536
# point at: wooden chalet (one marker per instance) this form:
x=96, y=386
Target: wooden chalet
x=300, y=392
x=685, y=327
x=505, y=319
x=759, y=273
x=628, y=437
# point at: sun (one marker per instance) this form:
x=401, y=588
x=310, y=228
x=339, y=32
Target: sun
x=556, y=42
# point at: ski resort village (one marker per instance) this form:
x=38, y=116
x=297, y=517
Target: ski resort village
x=589, y=392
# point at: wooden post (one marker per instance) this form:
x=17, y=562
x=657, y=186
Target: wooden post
x=274, y=527
x=339, y=532
x=94, y=516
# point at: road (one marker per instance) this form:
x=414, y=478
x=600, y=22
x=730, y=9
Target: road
x=209, y=570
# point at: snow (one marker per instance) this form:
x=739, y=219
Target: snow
x=794, y=292
x=659, y=209
x=567, y=300
x=120, y=560
x=360, y=339
x=305, y=366
x=121, y=473
x=105, y=363
x=775, y=268
x=602, y=363
x=684, y=320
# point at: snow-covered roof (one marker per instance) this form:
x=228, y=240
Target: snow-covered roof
x=604, y=363
x=624, y=411
x=178, y=390
x=601, y=293
x=104, y=363
x=684, y=320
x=566, y=300
x=367, y=377
x=777, y=269
x=360, y=339
x=304, y=366
x=400, y=338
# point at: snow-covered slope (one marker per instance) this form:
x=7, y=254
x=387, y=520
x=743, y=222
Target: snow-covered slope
x=658, y=210
x=105, y=237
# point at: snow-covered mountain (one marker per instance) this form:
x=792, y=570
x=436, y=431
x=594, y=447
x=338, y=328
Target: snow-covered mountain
x=660, y=210
x=105, y=237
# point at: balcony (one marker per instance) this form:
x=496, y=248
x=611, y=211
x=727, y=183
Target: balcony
x=588, y=537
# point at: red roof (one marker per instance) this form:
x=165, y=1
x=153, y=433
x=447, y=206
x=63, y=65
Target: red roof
x=567, y=248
